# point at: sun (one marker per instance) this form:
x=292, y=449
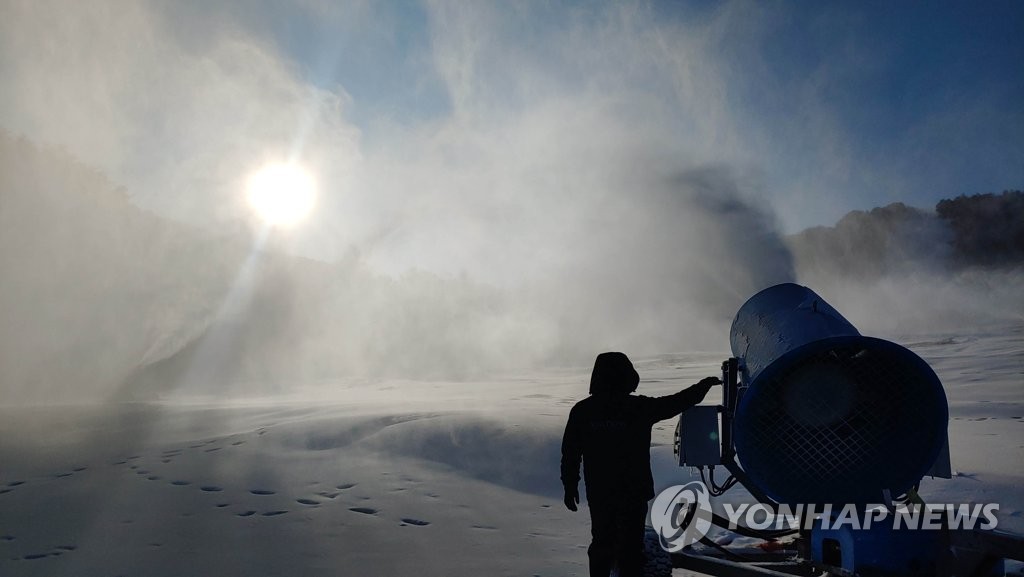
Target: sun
x=282, y=194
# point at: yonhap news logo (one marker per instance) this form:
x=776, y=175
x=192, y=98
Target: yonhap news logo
x=913, y=517
x=681, y=515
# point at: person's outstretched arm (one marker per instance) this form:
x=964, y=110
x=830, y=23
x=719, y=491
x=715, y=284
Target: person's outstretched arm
x=661, y=408
x=572, y=454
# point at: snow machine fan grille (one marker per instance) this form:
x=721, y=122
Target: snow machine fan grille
x=841, y=423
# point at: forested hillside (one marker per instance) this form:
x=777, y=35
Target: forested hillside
x=981, y=230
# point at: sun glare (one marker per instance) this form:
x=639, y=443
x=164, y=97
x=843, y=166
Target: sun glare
x=282, y=194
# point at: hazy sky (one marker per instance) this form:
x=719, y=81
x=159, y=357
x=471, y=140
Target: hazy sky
x=500, y=184
x=467, y=120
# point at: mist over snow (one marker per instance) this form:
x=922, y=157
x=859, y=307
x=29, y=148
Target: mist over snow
x=116, y=301
x=499, y=187
x=902, y=270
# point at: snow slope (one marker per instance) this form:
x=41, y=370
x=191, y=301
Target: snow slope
x=391, y=477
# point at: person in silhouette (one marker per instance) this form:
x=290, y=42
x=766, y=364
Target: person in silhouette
x=610, y=431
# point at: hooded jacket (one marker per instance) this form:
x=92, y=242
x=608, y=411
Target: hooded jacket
x=610, y=431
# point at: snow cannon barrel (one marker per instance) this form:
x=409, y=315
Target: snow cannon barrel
x=827, y=415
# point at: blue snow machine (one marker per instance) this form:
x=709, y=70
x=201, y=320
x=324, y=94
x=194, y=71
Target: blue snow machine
x=831, y=433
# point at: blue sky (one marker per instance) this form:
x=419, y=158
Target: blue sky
x=409, y=111
x=877, y=101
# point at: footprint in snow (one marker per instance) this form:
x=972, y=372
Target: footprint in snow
x=416, y=522
x=211, y=488
x=307, y=501
x=364, y=510
x=181, y=483
x=345, y=486
x=274, y=513
x=55, y=552
x=262, y=492
x=246, y=513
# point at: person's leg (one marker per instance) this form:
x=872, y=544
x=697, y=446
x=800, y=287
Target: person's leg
x=631, y=521
x=603, y=530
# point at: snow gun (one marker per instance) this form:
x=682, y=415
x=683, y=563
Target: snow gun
x=831, y=433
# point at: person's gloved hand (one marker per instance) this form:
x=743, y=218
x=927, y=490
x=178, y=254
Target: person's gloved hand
x=706, y=383
x=572, y=498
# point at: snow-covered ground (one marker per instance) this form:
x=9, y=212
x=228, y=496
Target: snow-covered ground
x=393, y=478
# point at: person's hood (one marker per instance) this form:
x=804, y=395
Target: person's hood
x=613, y=375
